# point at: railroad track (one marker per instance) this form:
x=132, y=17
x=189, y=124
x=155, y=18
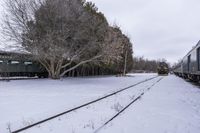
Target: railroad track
x=86, y=104
x=125, y=108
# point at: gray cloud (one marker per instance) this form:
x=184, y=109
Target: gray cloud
x=158, y=28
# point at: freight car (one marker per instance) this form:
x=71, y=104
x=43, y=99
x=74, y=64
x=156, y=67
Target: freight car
x=189, y=67
x=18, y=64
x=163, y=68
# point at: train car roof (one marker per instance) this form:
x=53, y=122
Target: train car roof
x=15, y=55
x=14, y=52
x=197, y=45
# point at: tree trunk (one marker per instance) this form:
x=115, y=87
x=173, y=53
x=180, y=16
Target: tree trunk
x=125, y=64
x=54, y=75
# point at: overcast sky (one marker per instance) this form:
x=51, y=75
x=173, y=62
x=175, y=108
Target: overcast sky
x=158, y=28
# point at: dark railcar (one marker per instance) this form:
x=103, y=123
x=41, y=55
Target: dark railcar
x=163, y=68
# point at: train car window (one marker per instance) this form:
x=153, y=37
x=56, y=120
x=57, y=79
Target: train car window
x=28, y=63
x=198, y=58
x=1, y=61
x=14, y=62
x=189, y=61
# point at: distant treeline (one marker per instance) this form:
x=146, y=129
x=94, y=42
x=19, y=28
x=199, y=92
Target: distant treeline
x=144, y=65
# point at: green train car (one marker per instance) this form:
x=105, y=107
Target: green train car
x=17, y=64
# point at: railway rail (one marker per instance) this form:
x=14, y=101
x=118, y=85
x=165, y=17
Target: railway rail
x=89, y=103
x=125, y=108
x=18, y=78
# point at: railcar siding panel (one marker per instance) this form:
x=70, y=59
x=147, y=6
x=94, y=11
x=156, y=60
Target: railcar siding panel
x=198, y=58
x=15, y=64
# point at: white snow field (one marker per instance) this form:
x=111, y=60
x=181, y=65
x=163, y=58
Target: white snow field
x=26, y=101
x=171, y=106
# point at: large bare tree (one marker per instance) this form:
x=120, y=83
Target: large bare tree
x=58, y=32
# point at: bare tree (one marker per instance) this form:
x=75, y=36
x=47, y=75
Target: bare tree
x=57, y=32
x=120, y=49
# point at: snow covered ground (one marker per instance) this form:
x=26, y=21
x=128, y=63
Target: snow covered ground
x=27, y=101
x=171, y=106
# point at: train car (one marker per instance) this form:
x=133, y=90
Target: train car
x=178, y=70
x=189, y=67
x=18, y=64
x=163, y=68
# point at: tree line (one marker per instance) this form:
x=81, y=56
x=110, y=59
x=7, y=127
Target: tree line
x=68, y=37
x=145, y=65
